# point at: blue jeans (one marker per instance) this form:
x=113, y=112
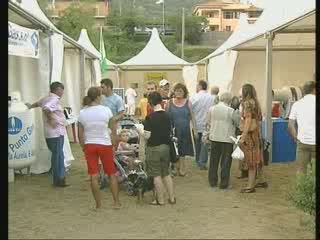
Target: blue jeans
x=201, y=152
x=55, y=146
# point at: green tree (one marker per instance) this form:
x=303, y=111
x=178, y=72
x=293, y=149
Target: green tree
x=77, y=17
x=193, y=27
x=43, y=4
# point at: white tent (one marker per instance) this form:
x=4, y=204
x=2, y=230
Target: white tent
x=284, y=35
x=32, y=76
x=221, y=67
x=112, y=72
x=155, y=58
x=154, y=53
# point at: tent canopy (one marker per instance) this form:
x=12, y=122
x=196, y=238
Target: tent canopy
x=84, y=40
x=154, y=53
x=28, y=14
x=293, y=21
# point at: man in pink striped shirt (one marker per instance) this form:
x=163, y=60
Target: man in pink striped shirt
x=54, y=130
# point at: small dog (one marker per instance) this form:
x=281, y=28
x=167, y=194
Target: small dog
x=141, y=184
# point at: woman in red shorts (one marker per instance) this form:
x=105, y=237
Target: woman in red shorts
x=96, y=142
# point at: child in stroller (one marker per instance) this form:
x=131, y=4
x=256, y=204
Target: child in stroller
x=131, y=172
x=128, y=150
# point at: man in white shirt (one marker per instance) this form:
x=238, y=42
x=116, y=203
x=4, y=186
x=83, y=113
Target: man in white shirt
x=131, y=96
x=201, y=102
x=302, y=125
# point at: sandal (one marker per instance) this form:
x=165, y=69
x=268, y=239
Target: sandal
x=248, y=190
x=172, y=202
x=262, y=185
x=182, y=175
x=156, y=203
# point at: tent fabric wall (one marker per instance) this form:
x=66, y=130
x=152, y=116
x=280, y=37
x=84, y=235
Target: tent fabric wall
x=89, y=75
x=220, y=70
x=73, y=92
x=290, y=68
x=57, y=56
x=190, y=77
x=31, y=78
x=97, y=72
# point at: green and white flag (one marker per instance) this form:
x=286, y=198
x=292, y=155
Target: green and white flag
x=103, y=60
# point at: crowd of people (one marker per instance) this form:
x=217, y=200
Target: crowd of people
x=203, y=125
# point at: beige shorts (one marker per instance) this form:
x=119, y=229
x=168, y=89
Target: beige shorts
x=157, y=160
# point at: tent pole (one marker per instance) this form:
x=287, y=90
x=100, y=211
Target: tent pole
x=50, y=34
x=82, y=72
x=118, y=76
x=269, y=37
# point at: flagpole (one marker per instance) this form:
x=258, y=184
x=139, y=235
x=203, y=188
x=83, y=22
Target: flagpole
x=182, y=35
x=164, y=30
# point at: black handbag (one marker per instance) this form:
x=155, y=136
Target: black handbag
x=173, y=148
x=266, y=155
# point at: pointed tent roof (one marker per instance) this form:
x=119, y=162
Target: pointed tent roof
x=154, y=53
x=239, y=31
x=276, y=16
x=30, y=9
x=84, y=40
x=33, y=7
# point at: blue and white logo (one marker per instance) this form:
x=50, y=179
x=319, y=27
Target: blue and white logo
x=14, y=125
x=35, y=42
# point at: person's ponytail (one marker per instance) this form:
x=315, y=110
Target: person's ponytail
x=92, y=94
x=86, y=101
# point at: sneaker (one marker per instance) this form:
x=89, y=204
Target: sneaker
x=214, y=188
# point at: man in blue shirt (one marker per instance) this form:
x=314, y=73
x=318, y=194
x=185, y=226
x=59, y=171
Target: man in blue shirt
x=116, y=104
x=111, y=100
x=201, y=102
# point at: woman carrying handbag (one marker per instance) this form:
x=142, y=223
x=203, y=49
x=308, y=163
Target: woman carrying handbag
x=251, y=140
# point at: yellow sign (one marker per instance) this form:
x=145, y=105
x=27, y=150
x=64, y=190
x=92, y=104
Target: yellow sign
x=155, y=77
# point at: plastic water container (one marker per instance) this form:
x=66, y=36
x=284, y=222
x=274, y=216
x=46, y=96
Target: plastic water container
x=21, y=140
x=283, y=146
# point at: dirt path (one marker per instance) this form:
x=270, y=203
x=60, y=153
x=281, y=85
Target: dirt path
x=37, y=210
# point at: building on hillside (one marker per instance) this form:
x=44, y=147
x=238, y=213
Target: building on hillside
x=99, y=7
x=223, y=15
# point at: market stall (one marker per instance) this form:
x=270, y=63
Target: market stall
x=32, y=75
x=277, y=50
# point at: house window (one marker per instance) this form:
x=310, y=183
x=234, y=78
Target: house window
x=228, y=15
x=237, y=15
x=228, y=28
x=214, y=28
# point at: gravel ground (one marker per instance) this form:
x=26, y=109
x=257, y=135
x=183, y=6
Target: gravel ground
x=37, y=210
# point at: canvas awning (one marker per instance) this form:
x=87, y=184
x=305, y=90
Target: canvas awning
x=28, y=14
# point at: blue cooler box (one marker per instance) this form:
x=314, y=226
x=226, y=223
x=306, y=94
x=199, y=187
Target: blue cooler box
x=283, y=146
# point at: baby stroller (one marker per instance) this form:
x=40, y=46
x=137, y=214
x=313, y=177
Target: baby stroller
x=126, y=122
x=135, y=181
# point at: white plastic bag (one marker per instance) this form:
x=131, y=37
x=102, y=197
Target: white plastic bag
x=237, y=154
